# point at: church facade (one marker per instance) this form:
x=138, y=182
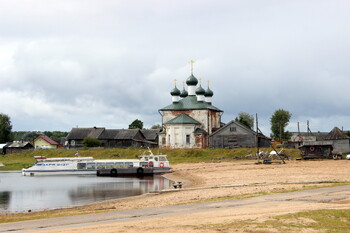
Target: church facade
x=191, y=118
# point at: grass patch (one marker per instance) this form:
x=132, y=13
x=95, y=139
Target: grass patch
x=325, y=220
x=21, y=160
x=316, y=220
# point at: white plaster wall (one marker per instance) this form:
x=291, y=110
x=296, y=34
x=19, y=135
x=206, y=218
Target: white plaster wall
x=199, y=115
x=178, y=134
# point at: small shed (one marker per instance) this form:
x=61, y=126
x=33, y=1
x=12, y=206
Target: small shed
x=3, y=148
x=317, y=150
x=18, y=146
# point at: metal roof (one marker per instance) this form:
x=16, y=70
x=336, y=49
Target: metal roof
x=183, y=119
x=18, y=144
x=190, y=103
x=198, y=130
x=48, y=140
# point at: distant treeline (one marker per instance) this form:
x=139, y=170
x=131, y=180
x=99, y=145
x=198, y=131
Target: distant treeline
x=29, y=136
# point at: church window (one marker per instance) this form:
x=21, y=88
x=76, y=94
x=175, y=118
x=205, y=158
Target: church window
x=187, y=139
x=233, y=129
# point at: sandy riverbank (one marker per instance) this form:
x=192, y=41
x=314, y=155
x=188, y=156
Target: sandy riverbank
x=215, y=181
x=205, y=181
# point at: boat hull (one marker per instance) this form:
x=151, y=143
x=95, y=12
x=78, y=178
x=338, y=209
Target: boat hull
x=134, y=171
x=57, y=172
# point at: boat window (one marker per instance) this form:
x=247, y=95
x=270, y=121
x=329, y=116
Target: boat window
x=129, y=164
x=119, y=164
x=143, y=164
x=162, y=158
x=101, y=165
x=156, y=158
x=81, y=165
x=91, y=166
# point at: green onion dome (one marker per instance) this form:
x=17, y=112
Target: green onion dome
x=183, y=93
x=175, y=92
x=200, y=90
x=208, y=93
x=192, y=81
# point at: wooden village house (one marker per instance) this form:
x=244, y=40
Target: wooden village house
x=234, y=135
x=108, y=137
x=17, y=146
x=44, y=142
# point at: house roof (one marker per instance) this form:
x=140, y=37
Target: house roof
x=183, y=119
x=336, y=134
x=121, y=134
x=238, y=124
x=150, y=134
x=199, y=130
x=127, y=133
x=190, y=103
x=81, y=133
x=18, y=144
x=319, y=135
x=48, y=140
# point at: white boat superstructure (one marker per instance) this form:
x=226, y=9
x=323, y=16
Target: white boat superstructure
x=88, y=165
x=46, y=166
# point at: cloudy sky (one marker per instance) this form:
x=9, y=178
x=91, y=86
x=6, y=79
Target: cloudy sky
x=106, y=63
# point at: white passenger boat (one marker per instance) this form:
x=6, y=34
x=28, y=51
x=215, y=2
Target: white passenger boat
x=146, y=164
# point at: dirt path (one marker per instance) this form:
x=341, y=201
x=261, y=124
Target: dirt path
x=212, y=181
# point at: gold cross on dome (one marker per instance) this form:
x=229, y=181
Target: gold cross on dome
x=208, y=83
x=192, y=62
x=183, y=84
x=175, y=82
x=200, y=81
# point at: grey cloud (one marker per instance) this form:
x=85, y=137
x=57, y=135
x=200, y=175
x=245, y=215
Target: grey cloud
x=107, y=63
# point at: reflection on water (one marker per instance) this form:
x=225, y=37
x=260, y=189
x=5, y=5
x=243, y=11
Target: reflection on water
x=22, y=193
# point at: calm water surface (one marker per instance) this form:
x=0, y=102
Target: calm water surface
x=23, y=193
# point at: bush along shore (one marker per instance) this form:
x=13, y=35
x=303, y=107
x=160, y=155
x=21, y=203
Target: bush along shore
x=21, y=160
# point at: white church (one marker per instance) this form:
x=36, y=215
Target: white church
x=191, y=118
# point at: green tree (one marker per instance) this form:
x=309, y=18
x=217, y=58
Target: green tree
x=157, y=126
x=31, y=135
x=279, y=121
x=246, y=119
x=136, y=124
x=91, y=142
x=5, y=128
x=56, y=135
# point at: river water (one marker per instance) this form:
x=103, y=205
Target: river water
x=23, y=193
